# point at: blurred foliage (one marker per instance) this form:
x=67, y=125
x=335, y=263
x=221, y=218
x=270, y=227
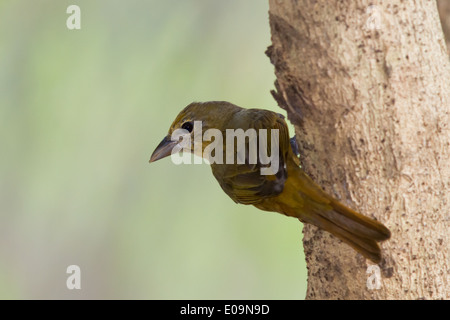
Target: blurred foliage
x=80, y=113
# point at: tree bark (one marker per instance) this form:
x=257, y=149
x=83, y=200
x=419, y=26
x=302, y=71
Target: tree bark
x=367, y=86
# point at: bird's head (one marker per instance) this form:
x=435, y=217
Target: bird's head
x=193, y=120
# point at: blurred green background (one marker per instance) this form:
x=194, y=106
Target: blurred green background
x=80, y=113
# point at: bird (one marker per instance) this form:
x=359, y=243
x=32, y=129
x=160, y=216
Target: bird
x=287, y=190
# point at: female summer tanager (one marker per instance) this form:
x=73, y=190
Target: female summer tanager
x=288, y=190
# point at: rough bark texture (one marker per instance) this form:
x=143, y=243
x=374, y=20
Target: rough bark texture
x=367, y=86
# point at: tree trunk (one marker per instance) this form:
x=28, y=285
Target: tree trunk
x=367, y=86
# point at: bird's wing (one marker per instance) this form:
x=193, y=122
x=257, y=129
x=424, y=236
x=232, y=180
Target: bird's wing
x=244, y=183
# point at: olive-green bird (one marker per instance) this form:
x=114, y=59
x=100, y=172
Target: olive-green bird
x=289, y=190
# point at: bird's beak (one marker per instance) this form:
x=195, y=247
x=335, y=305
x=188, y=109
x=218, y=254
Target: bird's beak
x=163, y=149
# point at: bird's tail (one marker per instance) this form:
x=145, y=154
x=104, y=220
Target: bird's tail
x=318, y=208
x=358, y=231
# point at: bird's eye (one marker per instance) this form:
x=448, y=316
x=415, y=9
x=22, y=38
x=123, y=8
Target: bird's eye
x=187, y=126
